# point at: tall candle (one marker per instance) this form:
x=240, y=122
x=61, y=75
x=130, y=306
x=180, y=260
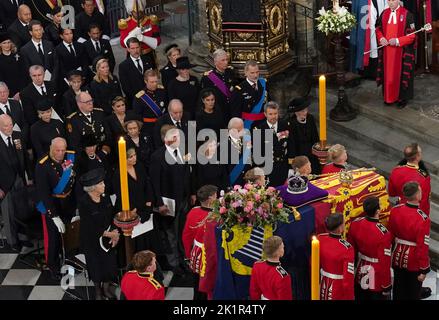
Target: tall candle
x=315, y=269
x=322, y=108
x=123, y=174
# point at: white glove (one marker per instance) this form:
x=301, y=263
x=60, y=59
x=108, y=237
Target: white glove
x=134, y=33
x=150, y=41
x=59, y=224
x=75, y=218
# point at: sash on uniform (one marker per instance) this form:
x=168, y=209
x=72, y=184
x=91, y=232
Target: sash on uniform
x=61, y=185
x=152, y=105
x=254, y=114
x=219, y=84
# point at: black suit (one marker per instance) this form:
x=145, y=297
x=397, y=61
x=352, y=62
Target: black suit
x=171, y=181
x=31, y=57
x=68, y=62
x=18, y=118
x=30, y=97
x=105, y=50
x=19, y=34
x=8, y=12
x=166, y=119
x=51, y=33
x=83, y=21
x=130, y=77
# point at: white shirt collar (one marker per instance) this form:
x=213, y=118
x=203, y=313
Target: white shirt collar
x=171, y=151
x=235, y=140
x=135, y=60
x=39, y=87
x=23, y=24
x=392, y=17
x=272, y=125
x=4, y=137
x=68, y=44
x=251, y=82
x=37, y=43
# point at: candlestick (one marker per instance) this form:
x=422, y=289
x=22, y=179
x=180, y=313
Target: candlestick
x=322, y=109
x=123, y=174
x=315, y=269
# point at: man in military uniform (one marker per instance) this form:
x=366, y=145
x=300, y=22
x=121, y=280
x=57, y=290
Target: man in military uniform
x=138, y=25
x=249, y=96
x=86, y=121
x=282, y=148
x=55, y=177
x=410, y=227
x=411, y=168
x=336, y=262
x=269, y=281
x=151, y=102
x=221, y=79
x=372, y=243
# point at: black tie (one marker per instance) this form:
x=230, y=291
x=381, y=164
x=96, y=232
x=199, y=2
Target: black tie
x=98, y=48
x=178, y=124
x=8, y=111
x=43, y=92
x=139, y=67
x=255, y=86
x=10, y=146
x=72, y=51
x=176, y=154
x=40, y=52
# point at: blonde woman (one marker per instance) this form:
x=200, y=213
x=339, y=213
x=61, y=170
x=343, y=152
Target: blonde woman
x=12, y=70
x=169, y=72
x=338, y=157
x=105, y=86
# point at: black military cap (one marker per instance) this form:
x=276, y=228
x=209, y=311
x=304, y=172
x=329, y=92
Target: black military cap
x=183, y=63
x=298, y=104
x=92, y=178
x=89, y=140
x=45, y=104
x=4, y=36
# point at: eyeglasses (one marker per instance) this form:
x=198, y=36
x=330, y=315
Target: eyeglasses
x=87, y=102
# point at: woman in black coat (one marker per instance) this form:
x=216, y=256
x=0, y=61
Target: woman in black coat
x=104, y=87
x=212, y=172
x=209, y=116
x=140, y=197
x=12, y=70
x=45, y=129
x=51, y=32
x=98, y=235
x=68, y=102
x=138, y=140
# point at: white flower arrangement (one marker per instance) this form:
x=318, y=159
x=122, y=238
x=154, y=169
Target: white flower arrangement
x=338, y=21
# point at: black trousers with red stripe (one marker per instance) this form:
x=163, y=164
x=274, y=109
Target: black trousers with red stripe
x=52, y=244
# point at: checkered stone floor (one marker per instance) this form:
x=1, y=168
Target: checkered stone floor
x=18, y=281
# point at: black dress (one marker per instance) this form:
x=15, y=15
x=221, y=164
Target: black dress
x=187, y=92
x=13, y=73
x=95, y=219
x=305, y=135
x=140, y=192
x=104, y=92
x=143, y=150
x=42, y=133
x=168, y=73
x=214, y=121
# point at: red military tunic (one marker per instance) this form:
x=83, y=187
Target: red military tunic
x=393, y=55
x=193, y=236
x=332, y=168
x=127, y=25
x=336, y=268
x=403, y=174
x=269, y=281
x=410, y=228
x=372, y=243
x=141, y=286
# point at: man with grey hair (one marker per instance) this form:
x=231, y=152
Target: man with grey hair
x=282, y=148
x=13, y=109
x=175, y=117
x=249, y=96
x=33, y=92
x=55, y=178
x=14, y=165
x=221, y=80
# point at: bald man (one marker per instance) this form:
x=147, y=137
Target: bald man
x=55, y=178
x=14, y=164
x=18, y=30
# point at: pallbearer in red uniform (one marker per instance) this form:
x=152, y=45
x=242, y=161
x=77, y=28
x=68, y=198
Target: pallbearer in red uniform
x=372, y=243
x=336, y=262
x=412, y=168
x=396, y=61
x=410, y=227
x=140, y=284
x=269, y=281
x=138, y=25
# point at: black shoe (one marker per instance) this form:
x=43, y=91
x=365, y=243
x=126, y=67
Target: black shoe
x=425, y=292
x=388, y=104
x=402, y=104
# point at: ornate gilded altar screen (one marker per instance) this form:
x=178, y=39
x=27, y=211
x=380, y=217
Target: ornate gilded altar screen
x=250, y=29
